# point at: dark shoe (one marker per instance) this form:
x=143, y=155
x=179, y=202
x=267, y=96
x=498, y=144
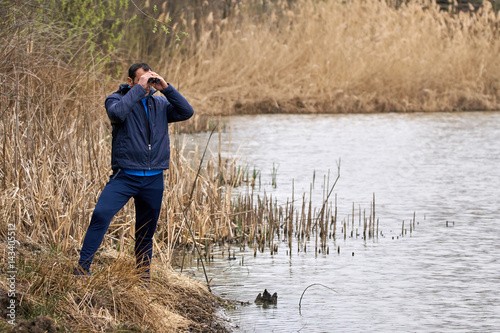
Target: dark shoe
x=145, y=283
x=81, y=272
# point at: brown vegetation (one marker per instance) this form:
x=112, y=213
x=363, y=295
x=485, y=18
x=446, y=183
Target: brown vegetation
x=110, y=300
x=348, y=56
x=304, y=56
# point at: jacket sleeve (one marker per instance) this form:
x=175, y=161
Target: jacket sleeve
x=119, y=106
x=179, y=109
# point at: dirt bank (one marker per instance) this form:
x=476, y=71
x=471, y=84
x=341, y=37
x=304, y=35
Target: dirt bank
x=48, y=298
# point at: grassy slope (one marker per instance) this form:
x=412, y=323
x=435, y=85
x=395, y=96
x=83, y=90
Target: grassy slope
x=110, y=300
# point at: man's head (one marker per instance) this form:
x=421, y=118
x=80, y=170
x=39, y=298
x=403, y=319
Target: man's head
x=135, y=72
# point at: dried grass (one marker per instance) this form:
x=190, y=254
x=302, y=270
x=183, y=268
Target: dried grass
x=346, y=56
x=54, y=155
x=112, y=298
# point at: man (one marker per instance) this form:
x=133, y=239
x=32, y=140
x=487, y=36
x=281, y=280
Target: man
x=140, y=152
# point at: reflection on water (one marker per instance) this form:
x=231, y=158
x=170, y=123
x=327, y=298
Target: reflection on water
x=443, y=166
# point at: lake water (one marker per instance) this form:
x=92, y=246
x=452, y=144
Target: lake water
x=444, y=277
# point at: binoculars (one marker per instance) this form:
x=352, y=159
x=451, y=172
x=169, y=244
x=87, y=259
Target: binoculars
x=153, y=80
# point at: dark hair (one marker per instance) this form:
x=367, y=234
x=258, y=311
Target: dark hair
x=133, y=69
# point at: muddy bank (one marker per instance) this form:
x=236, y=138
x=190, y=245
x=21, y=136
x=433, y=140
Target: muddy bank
x=354, y=104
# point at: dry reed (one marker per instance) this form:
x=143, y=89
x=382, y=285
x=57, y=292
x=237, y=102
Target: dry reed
x=54, y=155
x=345, y=56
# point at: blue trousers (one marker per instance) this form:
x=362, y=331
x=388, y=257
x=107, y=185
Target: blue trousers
x=147, y=192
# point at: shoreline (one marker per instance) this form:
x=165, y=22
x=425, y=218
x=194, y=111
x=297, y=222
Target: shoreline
x=203, y=121
x=298, y=106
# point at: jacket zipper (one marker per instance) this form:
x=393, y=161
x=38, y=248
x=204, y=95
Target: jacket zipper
x=149, y=126
x=149, y=147
x=150, y=131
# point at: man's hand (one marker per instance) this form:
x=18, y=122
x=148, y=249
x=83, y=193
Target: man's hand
x=159, y=86
x=143, y=81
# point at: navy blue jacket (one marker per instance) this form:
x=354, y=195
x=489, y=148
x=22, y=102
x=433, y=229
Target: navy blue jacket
x=140, y=141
